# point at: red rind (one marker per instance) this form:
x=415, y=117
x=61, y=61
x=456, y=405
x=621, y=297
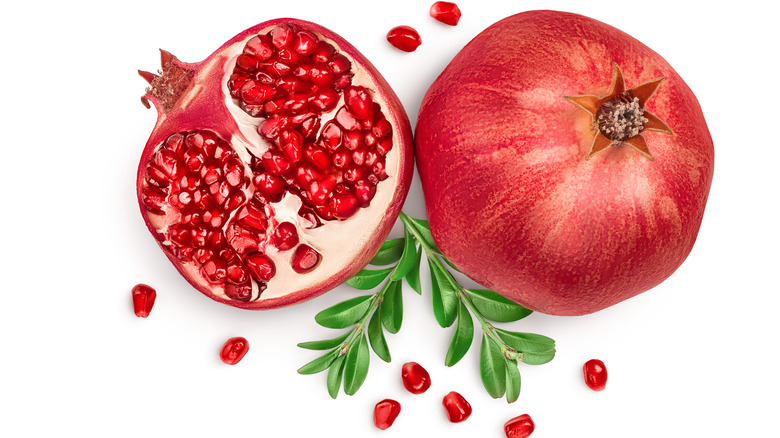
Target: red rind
x=207, y=112
x=511, y=199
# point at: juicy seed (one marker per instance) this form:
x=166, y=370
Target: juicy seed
x=285, y=236
x=260, y=267
x=446, y=12
x=404, y=38
x=305, y=259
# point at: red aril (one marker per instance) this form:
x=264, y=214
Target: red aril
x=385, y=413
x=595, y=374
x=404, y=38
x=519, y=427
x=446, y=12
x=456, y=407
x=248, y=182
x=143, y=300
x=234, y=350
x=415, y=378
x=564, y=164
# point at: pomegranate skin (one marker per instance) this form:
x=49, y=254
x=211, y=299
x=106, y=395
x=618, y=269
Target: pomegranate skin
x=203, y=107
x=512, y=200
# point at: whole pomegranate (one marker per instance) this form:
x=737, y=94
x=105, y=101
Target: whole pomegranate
x=277, y=165
x=564, y=164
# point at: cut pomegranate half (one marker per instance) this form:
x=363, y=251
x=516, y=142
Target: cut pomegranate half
x=277, y=166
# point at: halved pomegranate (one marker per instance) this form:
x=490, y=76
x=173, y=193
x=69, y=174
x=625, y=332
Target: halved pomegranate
x=277, y=165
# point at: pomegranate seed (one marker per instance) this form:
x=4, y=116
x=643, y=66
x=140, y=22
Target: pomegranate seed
x=404, y=38
x=271, y=128
x=339, y=64
x=343, y=81
x=305, y=259
x=143, y=300
x=354, y=173
x=519, y=427
x=385, y=413
x=384, y=145
x=595, y=374
x=260, y=46
x=305, y=43
x=235, y=200
x=275, y=163
x=323, y=53
x=154, y=199
x=317, y=156
x=248, y=62
x=252, y=216
x=202, y=255
x=359, y=103
x=234, y=350
x=331, y=134
x=309, y=216
x=415, y=378
x=268, y=184
x=285, y=236
x=180, y=234
x=199, y=235
x=241, y=240
x=239, y=292
x=291, y=142
x=446, y=12
x=382, y=129
x=347, y=120
x=457, y=408
x=319, y=190
x=234, y=172
x=364, y=192
x=175, y=142
x=325, y=100
x=341, y=159
x=215, y=270
x=343, y=206
x=321, y=75
x=282, y=35
x=260, y=267
x=353, y=140
x=306, y=175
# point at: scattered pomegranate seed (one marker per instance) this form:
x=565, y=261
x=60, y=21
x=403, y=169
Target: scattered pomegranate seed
x=415, y=378
x=519, y=427
x=143, y=300
x=404, y=38
x=457, y=408
x=234, y=350
x=595, y=374
x=385, y=413
x=446, y=12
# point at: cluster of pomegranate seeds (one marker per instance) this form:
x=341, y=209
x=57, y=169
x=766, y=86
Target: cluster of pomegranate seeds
x=415, y=378
x=519, y=427
x=218, y=208
x=595, y=374
x=143, y=300
x=446, y=12
x=457, y=408
x=385, y=413
x=404, y=38
x=234, y=350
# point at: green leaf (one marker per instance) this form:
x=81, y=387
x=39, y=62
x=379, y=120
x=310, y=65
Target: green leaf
x=326, y=344
x=406, y=263
x=445, y=299
x=492, y=367
x=321, y=363
x=369, y=278
x=526, y=342
x=389, y=253
x=495, y=307
x=335, y=376
x=376, y=337
x=424, y=233
x=538, y=358
x=391, y=309
x=462, y=338
x=356, y=366
x=345, y=313
x=413, y=276
x=512, y=381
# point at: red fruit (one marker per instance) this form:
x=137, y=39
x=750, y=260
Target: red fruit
x=415, y=378
x=519, y=427
x=385, y=413
x=212, y=191
x=143, y=300
x=404, y=38
x=595, y=374
x=557, y=222
x=234, y=350
x=446, y=12
x=457, y=408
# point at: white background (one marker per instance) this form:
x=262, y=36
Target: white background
x=696, y=356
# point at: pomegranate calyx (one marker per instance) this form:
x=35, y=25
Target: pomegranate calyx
x=620, y=116
x=168, y=85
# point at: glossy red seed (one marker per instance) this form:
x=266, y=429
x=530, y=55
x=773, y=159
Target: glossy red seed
x=343, y=206
x=595, y=374
x=305, y=259
x=285, y=236
x=457, y=408
x=446, y=12
x=519, y=427
x=359, y=103
x=415, y=378
x=260, y=267
x=143, y=300
x=385, y=413
x=234, y=350
x=404, y=38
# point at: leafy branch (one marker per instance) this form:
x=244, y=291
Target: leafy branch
x=348, y=356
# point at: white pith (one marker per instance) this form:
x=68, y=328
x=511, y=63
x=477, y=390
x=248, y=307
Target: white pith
x=339, y=242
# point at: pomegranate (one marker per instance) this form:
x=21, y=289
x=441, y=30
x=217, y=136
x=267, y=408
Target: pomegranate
x=277, y=165
x=564, y=164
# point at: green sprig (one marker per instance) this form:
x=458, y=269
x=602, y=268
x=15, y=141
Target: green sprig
x=369, y=316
